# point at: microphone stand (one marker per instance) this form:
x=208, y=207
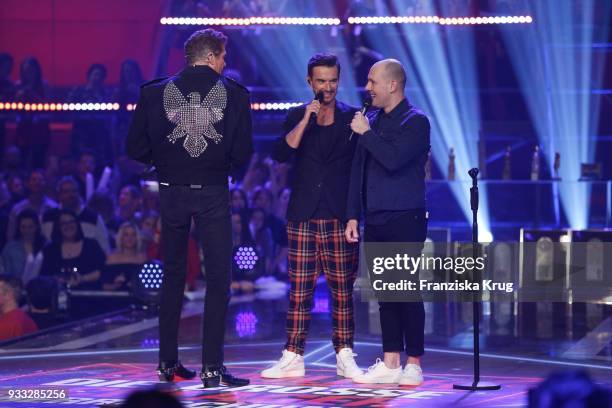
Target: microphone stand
x=476, y=384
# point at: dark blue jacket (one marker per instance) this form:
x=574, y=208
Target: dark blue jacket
x=397, y=146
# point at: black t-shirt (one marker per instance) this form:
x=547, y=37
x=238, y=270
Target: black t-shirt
x=324, y=141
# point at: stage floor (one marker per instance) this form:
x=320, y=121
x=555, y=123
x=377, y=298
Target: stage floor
x=102, y=361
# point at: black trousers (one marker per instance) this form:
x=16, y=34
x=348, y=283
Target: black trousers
x=209, y=208
x=402, y=323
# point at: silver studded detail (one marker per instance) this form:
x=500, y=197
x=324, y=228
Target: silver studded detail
x=194, y=118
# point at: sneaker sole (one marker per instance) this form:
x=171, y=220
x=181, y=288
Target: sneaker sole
x=404, y=382
x=287, y=374
x=340, y=372
x=357, y=380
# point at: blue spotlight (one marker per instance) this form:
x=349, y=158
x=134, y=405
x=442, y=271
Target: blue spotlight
x=445, y=79
x=553, y=59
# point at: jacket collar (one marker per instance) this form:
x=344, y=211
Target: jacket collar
x=199, y=70
x=401, y=107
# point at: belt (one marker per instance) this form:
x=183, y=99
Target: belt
x=191, y=186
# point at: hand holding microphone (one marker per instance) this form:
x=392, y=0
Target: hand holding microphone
x=360, y=123
x=313, y=109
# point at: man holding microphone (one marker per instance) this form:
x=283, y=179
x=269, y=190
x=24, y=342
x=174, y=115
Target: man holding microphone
x=317, y=136
x=387, y=187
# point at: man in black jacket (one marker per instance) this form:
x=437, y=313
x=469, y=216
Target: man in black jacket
x=195, y=127
x=388, y=188
x=318, y=136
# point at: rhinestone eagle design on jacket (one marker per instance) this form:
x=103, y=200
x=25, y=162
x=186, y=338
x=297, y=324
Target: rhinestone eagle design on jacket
x=193, y=117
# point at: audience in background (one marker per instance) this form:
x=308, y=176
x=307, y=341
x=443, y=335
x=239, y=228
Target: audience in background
x=238, y=199
x=86, y=176
x=70, y=256
x=7, y=87
x=36, y=200
x=262, y=237
x=7, y=90
x=129, y=207
x=14, y=322
x=91, y=132
x=128, y=91
x=69, y=199
x=12, y=161
x=22, y=256
x=33, y=134
x=147, y=228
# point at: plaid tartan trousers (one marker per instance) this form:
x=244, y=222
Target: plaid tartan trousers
x=317, y=245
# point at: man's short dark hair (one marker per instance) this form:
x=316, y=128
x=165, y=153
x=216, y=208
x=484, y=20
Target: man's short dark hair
x=40, y=292
x=200, y=43
x=323, y=60
x=13, y=284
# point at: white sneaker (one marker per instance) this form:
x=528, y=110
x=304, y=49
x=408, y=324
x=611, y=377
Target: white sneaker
x=379, y=373
x=346, y=365
x=412, y=375
x=290, y=365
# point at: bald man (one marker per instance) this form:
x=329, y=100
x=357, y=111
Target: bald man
x=387, y=188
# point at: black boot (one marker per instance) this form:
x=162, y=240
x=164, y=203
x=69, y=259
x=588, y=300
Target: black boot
x=210, y=376
x=168, y=372
x=213, y=375
x=231, y=381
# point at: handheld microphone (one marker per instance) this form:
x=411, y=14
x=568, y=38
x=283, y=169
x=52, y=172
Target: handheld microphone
x=364, y=109
x=313, y=116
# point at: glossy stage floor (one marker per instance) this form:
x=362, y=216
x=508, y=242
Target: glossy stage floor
x=101, y=360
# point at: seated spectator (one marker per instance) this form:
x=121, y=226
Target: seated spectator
x=263, y=199
x=12, y=160
x=130, y=203
x=36, y=200
x=15, y=189
x=41, y=291
x=22, y=256
x=70, y=256
x=147, y=228
x=102, y=204
x=282, y=203
x=128, y=91
x=14, y=322
x=257, y=174
x=238, y=199
x=150, y=196
x=7, y=87
x=33, y=133
x=15, y=192
x=243, y=278
x=126, y=260
x=92, y=132
x=264, y=244
x=69, y=199
x=86, y=175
